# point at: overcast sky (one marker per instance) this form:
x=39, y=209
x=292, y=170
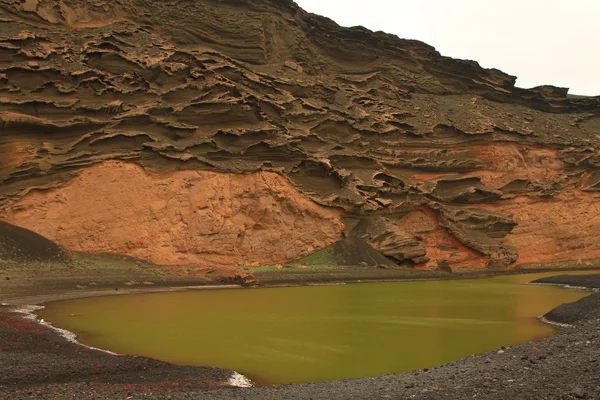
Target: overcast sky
x=554, y=42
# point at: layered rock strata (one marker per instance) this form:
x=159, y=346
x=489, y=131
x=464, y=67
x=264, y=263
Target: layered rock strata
x=432, y=160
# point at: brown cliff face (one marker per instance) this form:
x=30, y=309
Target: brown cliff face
x=433, y=160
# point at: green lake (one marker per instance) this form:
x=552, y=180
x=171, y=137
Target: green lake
x=318, y=333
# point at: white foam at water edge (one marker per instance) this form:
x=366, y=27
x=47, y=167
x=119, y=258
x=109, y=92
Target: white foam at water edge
x=29, y=312
x=239, y=380
x=552, y=323
x=595, y=290
x=236, y=379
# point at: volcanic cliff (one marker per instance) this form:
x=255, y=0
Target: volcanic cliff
x=249, y=132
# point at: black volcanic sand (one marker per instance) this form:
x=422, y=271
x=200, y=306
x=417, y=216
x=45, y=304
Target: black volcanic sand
x=570, y=313
x=591, y=281
x=38, y=363
x=24, y=245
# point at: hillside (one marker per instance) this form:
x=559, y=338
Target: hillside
x=249, y=132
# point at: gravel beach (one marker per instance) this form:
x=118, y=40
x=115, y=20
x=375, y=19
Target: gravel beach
x=39, y=363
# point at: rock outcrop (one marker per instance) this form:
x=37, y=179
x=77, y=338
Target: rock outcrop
x=220, y=105
x=184, y=217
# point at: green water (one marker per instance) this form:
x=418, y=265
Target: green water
x=304, y=334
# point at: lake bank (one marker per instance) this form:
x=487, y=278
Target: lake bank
x=28, y=286
x=556, y=369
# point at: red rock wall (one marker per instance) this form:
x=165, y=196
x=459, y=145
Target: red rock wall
x=562, y=228
x=179, y=217
x=438, y=242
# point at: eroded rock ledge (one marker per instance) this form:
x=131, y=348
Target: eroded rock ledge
x=431, y=159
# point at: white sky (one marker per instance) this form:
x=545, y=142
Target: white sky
x=555, y=42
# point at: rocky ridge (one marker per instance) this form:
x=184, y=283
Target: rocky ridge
x=425, y=160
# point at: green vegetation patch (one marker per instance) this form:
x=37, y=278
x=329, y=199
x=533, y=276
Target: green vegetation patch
x=80, y=263
x=322, y=259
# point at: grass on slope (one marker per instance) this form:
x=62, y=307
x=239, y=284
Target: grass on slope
x=321, y=260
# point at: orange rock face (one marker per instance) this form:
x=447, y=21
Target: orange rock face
x=438, y=243
x=180, y=217
x=558, y=229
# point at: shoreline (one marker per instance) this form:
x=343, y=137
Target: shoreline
x=341, y=389
x=29, y=313
x=274, y=279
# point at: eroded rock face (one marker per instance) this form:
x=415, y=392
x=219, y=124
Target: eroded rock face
x=558, y=228
x=451, y=161
x=438, y=242
x=186, y=217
